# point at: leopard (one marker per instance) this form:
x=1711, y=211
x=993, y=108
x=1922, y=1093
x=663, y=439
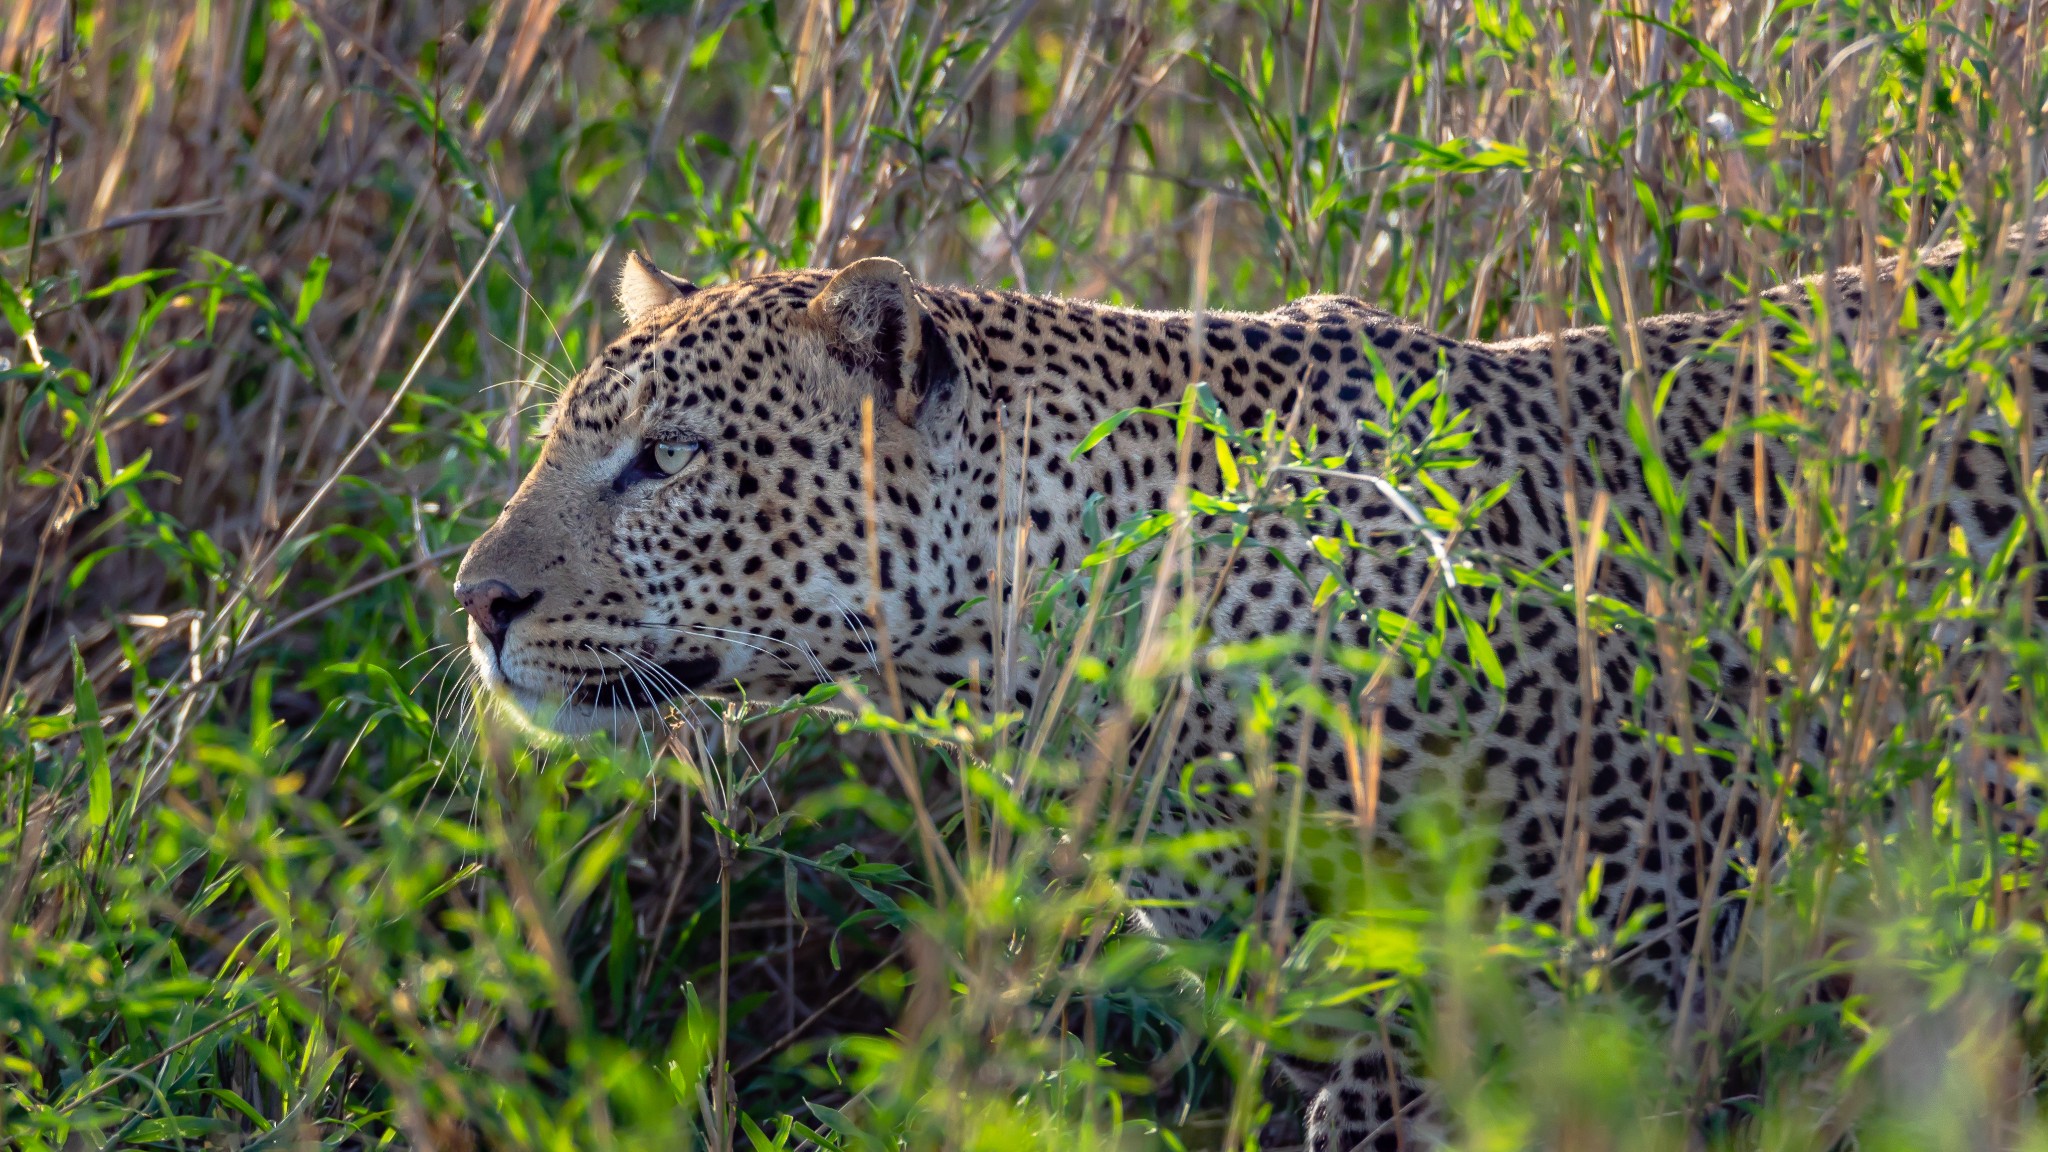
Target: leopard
x=798, y=477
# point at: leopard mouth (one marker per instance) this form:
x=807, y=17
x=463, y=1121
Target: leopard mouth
x=632, y=689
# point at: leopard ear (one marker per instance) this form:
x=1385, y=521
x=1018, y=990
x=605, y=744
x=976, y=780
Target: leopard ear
x=643, y=288
x=873, y=322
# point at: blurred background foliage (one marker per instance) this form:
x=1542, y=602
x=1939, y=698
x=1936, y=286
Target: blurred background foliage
x=288, y=284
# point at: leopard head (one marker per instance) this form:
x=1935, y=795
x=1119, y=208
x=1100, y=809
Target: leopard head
x=698, y=521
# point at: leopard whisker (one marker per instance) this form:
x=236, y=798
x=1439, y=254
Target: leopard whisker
x=641, y=680
x=465, y=729
x=441, y=695
x=859, y=629
x=708, y=636
x=753, y=766
x=562, y=705
x=705, y=632
x=634, y=663
x=661, y=675
x=516, y=381
x=476, y=794
x=422, y=654
x=555, y=330
x=800, y=646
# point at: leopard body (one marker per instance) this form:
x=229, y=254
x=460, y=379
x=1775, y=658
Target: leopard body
x=607, y=585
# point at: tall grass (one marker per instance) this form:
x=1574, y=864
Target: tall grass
x=290, y=282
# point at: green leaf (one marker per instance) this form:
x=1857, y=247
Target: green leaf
x=92, y=744
x=169, y=1129
x=1101, y=432
x=1228, y=464
x=123, y=283
x=756, y=1137
x=1656, y=474
x=1483, y=655
x=1465, y=156
x=689, y=171
x=311, y=289
x=233, y=1099
x=83, y=568
x=701, y=55
x=1721, y=75
x=14, y=308
x=1328, y=588
x=205, y=551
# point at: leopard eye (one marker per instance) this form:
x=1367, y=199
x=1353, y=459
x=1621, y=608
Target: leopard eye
x=658, y=460
x=669, y=458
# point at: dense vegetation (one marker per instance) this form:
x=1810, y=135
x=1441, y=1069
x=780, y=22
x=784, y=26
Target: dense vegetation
x=288, y=283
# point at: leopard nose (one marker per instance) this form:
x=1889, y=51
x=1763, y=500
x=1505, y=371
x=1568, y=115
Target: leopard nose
x=494, y=605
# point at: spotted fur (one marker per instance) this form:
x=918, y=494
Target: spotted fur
x=616, y=587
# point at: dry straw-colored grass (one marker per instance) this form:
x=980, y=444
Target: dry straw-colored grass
x=261, y=881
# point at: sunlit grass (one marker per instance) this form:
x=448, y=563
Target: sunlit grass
x=272, y=874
